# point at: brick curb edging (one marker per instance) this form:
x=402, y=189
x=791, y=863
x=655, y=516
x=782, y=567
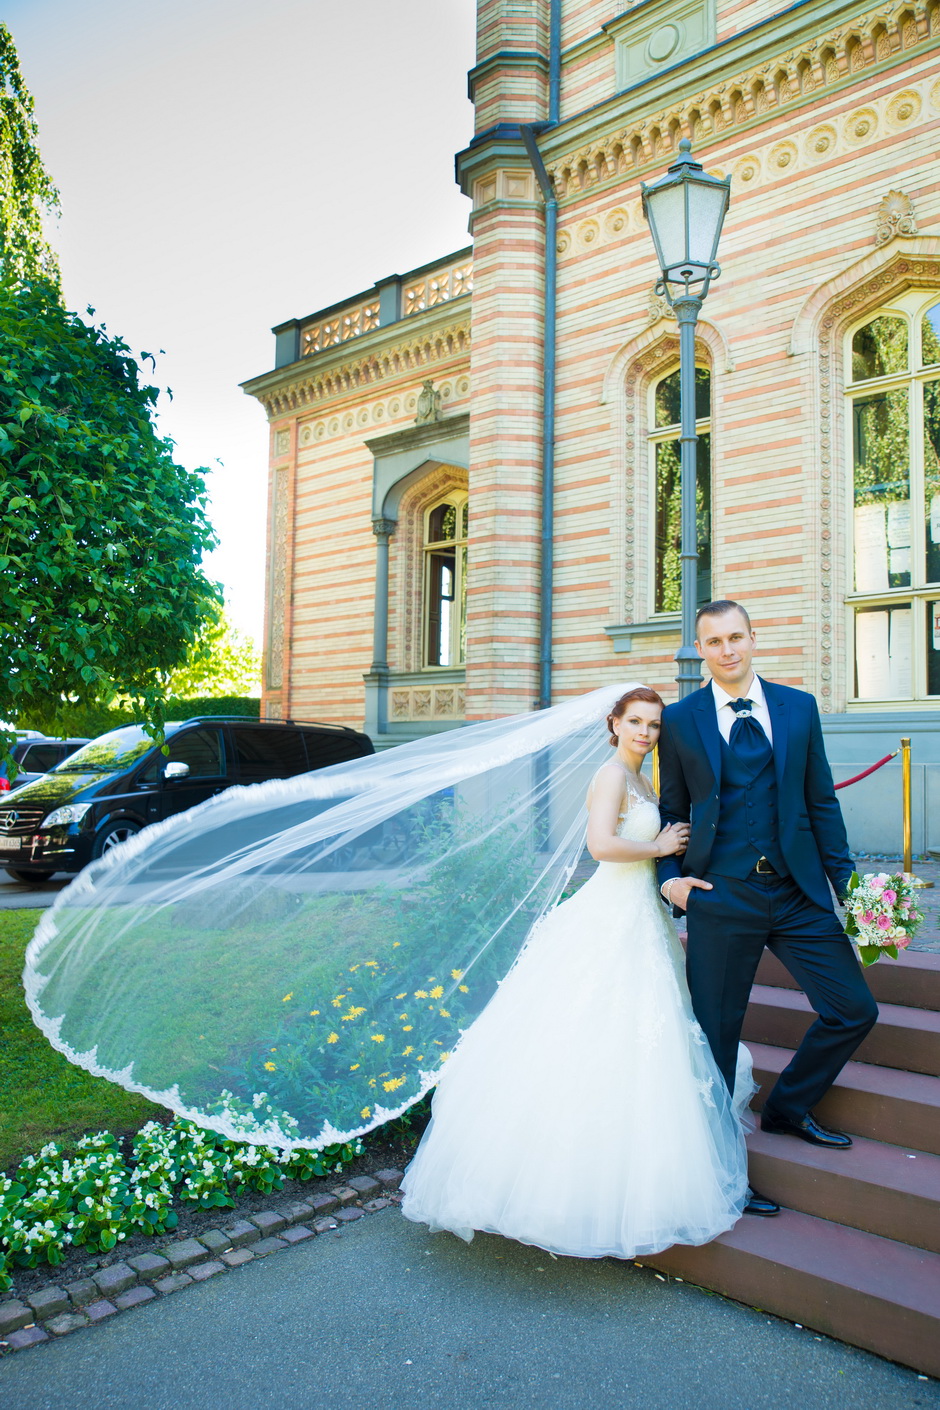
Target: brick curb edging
x=55, y=1311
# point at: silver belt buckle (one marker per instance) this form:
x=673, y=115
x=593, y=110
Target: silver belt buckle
x=764, y=868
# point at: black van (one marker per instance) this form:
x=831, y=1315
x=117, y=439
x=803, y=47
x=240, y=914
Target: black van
x=117, y=784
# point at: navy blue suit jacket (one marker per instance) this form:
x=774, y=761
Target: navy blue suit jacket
x=811, y=828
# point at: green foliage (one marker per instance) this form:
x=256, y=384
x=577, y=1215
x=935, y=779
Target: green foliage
x=96, y=1198
x=102, y=533
x=75, y=721
x=26, y=191
x=221, y=662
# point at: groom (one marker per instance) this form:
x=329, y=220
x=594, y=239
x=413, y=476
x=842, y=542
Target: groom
x=743, y=761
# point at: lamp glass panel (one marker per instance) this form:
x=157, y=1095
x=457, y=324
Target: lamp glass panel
x=667, y=215
x=706, y=212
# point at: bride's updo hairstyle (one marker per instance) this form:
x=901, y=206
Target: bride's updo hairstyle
x=640, y=692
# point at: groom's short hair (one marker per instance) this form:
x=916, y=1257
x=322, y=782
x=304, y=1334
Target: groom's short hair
x=718, y=609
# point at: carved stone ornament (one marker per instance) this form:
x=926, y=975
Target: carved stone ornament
x=895, y=216
x=658, y=306
x=429, y=404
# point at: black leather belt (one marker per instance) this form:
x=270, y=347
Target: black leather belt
x=763, y=868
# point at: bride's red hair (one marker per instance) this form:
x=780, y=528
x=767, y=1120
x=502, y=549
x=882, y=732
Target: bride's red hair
x=639, y=692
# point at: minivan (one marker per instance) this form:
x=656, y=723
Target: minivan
x=118, y=784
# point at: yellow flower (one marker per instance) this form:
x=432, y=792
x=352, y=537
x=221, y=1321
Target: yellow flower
x=371, y=1081
x=463, y=988
x=371, y=964
x=437, y=992
x=270, y=1067
x=395, y=944
x=420, y=1057
x=444, y=1057
x=353, y=968
x=338, y=1003
x=456, y=974
x=394, y=1082
x=445, y=1013
x=365, y=1113
x=354, y=1067
x=314, y=1013
x=274, y=1050
x=408, y=1027
x=401, y=996
x=377, y=1038
x=402, y=1015
x=421, y=993
x=406, y=1051
x=333, y=1038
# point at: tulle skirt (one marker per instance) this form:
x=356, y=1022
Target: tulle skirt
x=582, y=1111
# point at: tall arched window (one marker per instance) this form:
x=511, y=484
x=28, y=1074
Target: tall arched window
x=893, y=394
x=666, y=497
x=445, y=581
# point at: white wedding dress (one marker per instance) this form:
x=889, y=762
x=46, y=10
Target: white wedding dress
x=582, y=1111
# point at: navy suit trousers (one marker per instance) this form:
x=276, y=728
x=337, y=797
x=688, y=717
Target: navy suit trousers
x=728, y=929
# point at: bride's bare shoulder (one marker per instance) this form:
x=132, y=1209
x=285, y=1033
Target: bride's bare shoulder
x=608, y=784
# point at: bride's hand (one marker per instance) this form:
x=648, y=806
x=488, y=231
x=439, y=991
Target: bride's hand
x=673, y=839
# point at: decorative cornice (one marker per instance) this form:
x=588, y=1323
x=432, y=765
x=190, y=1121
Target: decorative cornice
x=786, y=62
x=904, y=258
x=380, y=356
x=430, y=433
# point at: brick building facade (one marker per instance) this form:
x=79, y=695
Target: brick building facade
x=406, y=514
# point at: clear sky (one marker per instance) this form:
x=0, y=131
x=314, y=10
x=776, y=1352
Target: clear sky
x=224, y=166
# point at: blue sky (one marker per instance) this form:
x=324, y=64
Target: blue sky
x=224, y=166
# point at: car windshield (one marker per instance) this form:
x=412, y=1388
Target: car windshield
x=109, y=754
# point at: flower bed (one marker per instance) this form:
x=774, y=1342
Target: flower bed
x=97, y=1198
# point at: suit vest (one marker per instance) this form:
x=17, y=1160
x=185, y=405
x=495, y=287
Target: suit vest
x=748, y=825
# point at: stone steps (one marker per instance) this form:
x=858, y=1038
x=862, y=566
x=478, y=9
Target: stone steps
x=904, y=1038
x=855, y=1251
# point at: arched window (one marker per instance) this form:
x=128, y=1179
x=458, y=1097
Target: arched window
x=445, y=581
x=894, y=423
x=666, y=497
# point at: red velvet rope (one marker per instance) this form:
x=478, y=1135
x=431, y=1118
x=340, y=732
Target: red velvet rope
x=886, y=760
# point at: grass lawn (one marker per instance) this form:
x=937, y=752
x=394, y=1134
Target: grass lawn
x=42, y=1096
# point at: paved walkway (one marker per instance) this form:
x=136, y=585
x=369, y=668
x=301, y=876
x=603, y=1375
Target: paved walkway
x=386, y=1316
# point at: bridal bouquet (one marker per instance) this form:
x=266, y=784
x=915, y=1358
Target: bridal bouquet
x=881, y=914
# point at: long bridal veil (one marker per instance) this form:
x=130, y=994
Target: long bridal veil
x=292, y=963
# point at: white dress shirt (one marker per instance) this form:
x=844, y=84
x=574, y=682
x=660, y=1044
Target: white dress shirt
x=726, y=716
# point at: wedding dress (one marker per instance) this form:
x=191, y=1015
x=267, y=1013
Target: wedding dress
x=582, y=1111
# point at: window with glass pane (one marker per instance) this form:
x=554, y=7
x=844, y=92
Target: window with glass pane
x=445, y=579
x=895, y=425
x=667, y=574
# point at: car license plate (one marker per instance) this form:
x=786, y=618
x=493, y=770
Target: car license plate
x=9, y=844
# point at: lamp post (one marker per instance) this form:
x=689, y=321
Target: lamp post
x=685, y=210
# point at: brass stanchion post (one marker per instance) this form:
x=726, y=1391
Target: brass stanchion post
x=906, y=802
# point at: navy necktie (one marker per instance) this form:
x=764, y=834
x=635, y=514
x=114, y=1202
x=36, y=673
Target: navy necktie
x=747, y=739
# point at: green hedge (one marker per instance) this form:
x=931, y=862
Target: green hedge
x=94, y=720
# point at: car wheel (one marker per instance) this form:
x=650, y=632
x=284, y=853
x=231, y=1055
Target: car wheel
x=113, y=835
x=19, y=875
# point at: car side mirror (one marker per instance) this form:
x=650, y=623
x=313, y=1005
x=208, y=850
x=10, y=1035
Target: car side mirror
x=176, y=769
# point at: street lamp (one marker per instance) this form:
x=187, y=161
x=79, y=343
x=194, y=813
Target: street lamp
x=685, y=210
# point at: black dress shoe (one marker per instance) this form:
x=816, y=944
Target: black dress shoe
x=808, y=1129
x=760, y=1204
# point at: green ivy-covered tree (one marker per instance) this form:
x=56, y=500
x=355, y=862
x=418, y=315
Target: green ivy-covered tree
x=102, y=533
x=26, y=191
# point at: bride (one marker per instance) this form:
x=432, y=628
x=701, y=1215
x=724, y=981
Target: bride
x=299, y=962
x=582, y=1111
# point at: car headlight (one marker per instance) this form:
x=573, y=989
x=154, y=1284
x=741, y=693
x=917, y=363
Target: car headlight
x=71, y=813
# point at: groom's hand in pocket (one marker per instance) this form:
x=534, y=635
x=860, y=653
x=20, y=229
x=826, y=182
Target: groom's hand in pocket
x=681, y=889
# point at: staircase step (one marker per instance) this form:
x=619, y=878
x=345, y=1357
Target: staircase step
x=913, y=979
x=902, y=1108
x=903, y=1037
x=882, y=1189
x=869, y=1291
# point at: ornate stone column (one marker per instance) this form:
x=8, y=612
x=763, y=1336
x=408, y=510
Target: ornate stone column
x=376, y=682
